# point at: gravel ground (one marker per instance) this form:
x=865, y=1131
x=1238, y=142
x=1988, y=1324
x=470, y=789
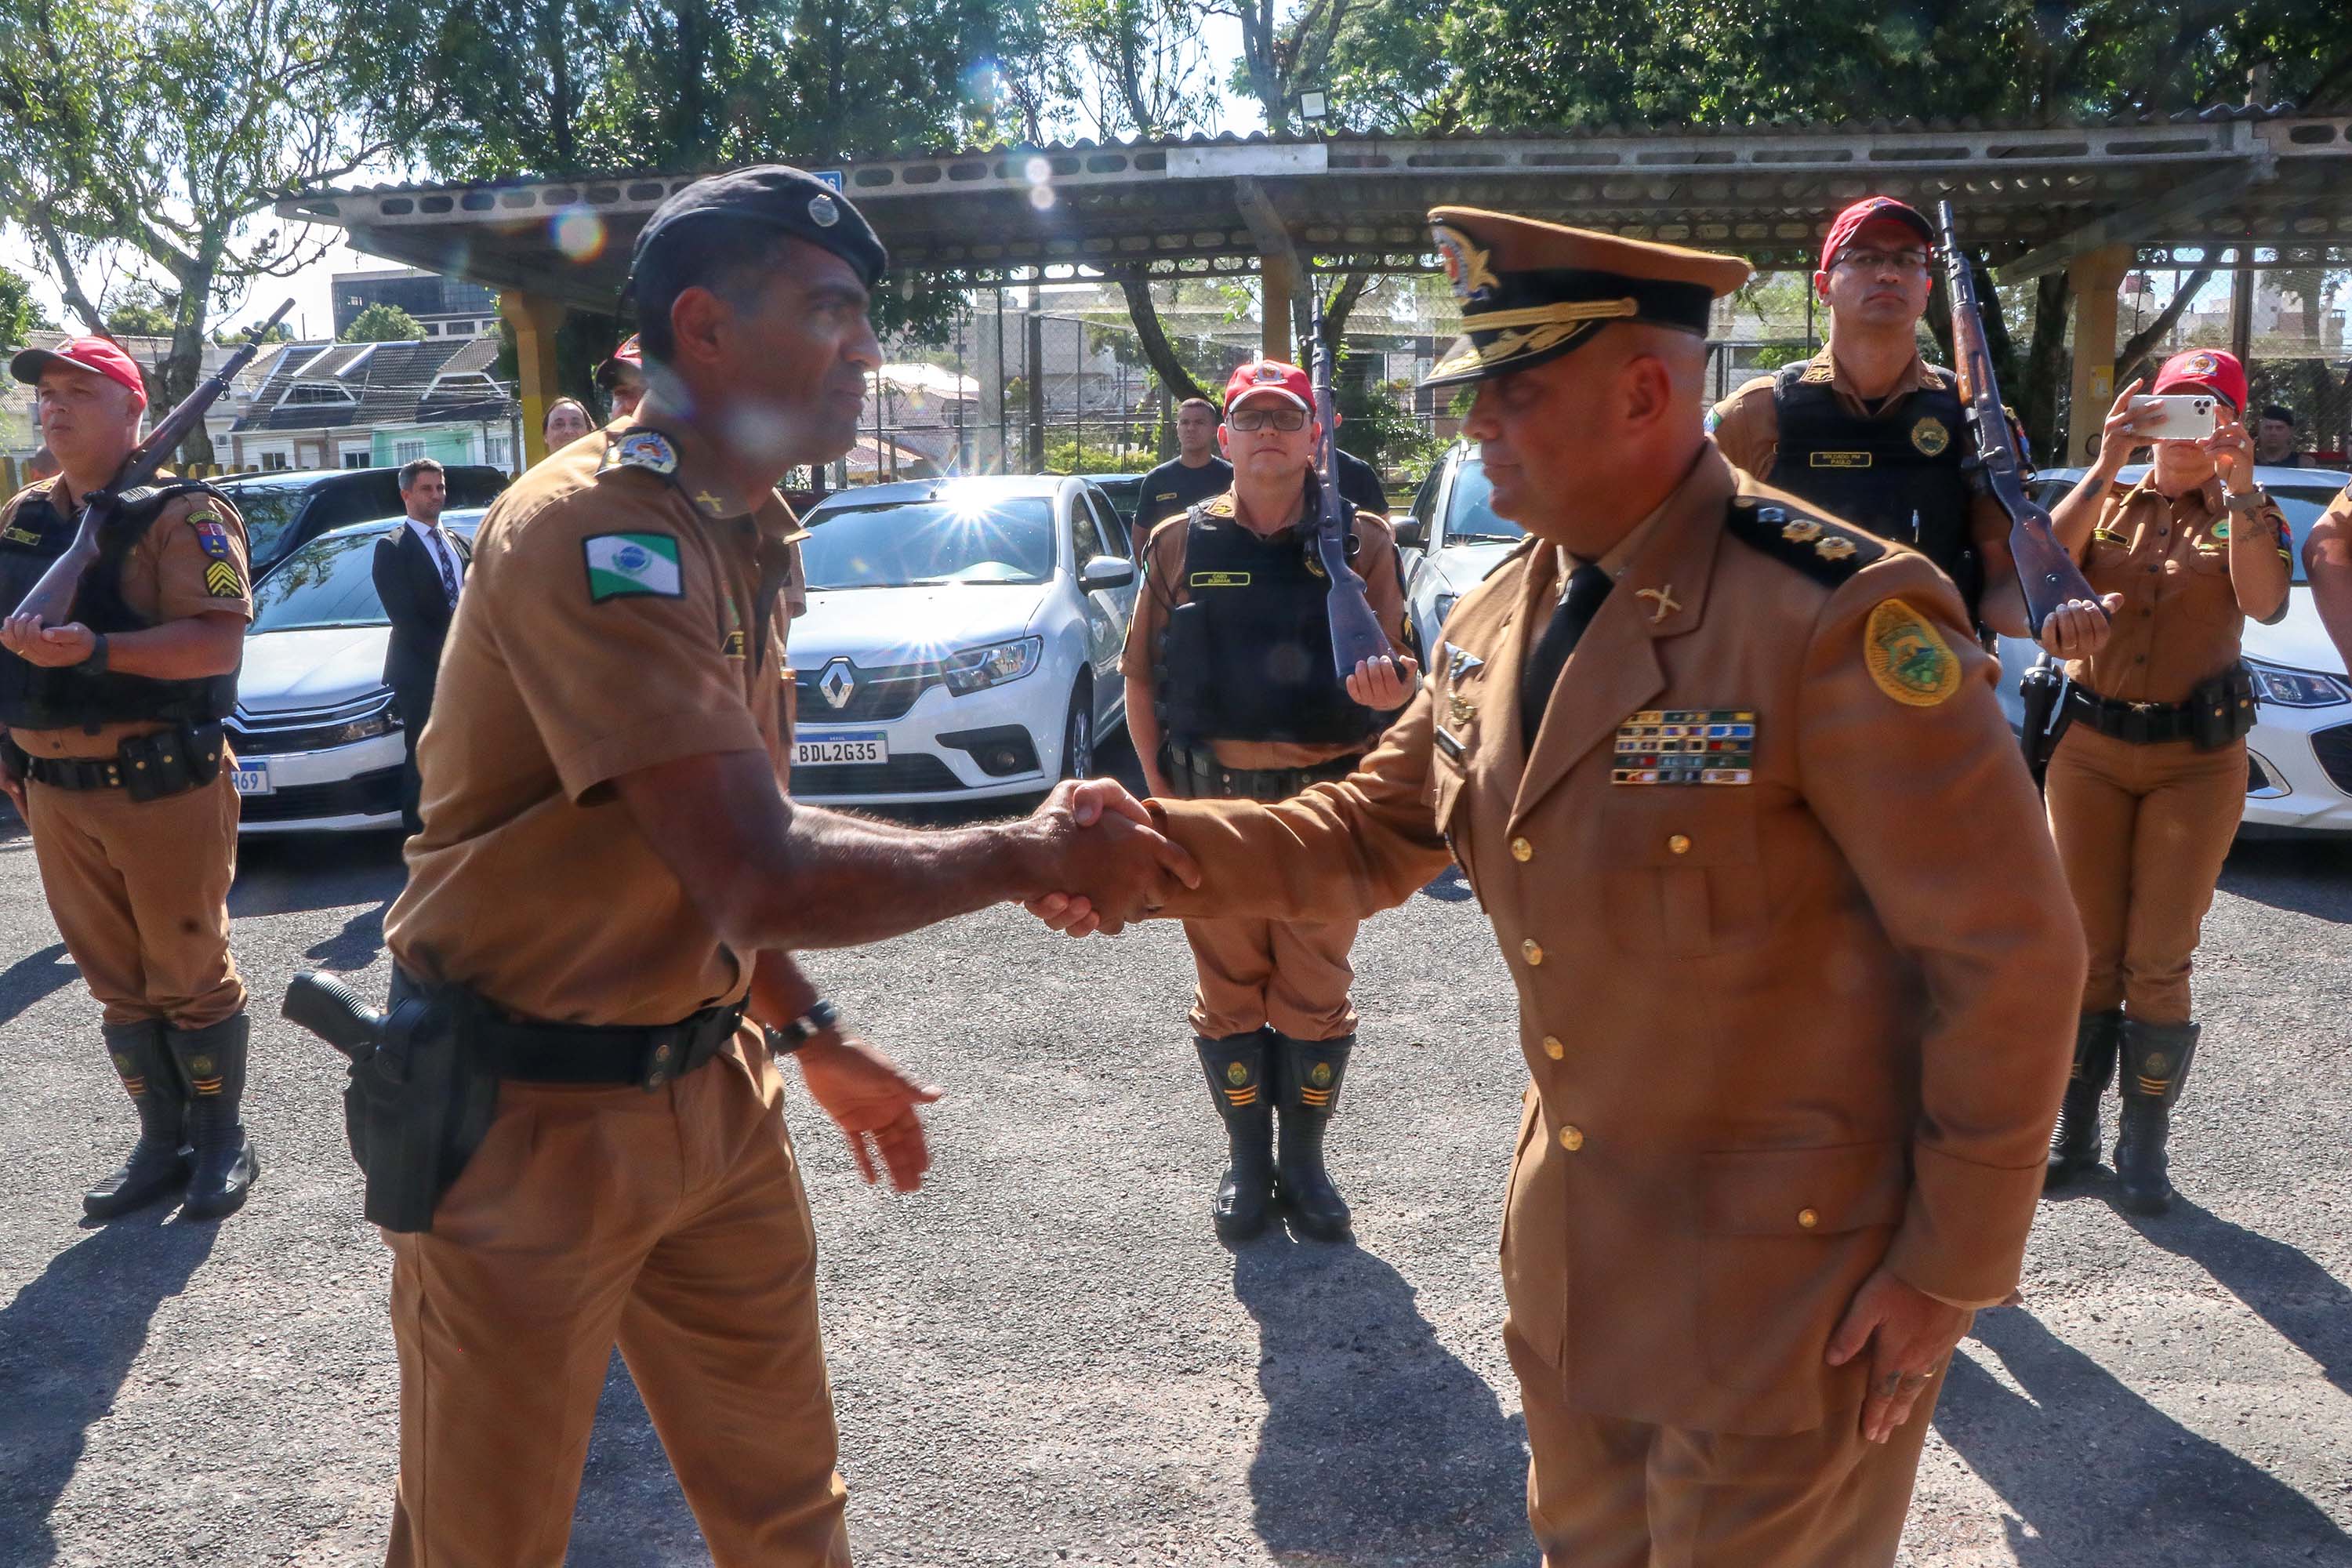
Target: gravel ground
x=1046, y=1358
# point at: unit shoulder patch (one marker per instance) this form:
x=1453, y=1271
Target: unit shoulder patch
x=211, y=534
x=1828, y=553
x=1908, y=659
x=647, y=449
x=632, y=566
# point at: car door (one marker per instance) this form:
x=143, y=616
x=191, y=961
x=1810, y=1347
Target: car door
x=1095, y=534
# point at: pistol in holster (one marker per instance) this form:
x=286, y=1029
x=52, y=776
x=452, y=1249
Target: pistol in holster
x=417, y=1103
x=2043, y=689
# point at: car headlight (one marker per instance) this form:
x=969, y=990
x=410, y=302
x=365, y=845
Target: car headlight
x=1441, y=608
x=978, y=668
x=2298, y=687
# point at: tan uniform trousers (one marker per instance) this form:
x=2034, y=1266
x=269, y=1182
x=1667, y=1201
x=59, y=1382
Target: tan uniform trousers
x=2142, y=832
x=140, y=892
x=1605, y=1492
x=1293, y=975
x=672, y=1223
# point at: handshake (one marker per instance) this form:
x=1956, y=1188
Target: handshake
x=1091, y=859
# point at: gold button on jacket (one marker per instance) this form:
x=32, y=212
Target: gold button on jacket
x=1854, y=990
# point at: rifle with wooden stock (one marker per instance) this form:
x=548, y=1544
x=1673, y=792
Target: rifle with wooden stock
x=52, y=598
x=1356, y=634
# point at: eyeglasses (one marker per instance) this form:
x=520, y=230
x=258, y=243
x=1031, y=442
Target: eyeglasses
x=1884, y=260
x=1284, y=418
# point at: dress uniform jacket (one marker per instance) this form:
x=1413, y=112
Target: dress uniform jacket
x=1792, y=1005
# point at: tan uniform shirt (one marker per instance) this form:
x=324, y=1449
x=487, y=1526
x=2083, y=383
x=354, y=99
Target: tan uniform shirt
x=169, y=575
x=1796, y=991
x=610, y=624
x=1164, y=589
x=1748, y=428
x=2181, y=623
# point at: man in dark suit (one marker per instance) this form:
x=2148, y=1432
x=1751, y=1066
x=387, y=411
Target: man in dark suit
x=418, y=571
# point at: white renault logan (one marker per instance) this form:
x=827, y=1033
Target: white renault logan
x=962, y=639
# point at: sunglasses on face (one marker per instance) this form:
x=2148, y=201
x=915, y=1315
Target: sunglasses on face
x=1283, y=418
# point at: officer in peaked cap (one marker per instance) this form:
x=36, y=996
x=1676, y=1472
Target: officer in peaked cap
x=607, y=887
x=1796, y=971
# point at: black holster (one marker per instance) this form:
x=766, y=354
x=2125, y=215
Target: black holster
x=2222, y=709
x=2043, y=689
x=171, y=762
x=418, y=1106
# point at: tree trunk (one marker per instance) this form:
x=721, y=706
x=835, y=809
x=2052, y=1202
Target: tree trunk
x=2046, y=363
x=1157, y=352
x=184, y=366
x=1339, y=305
x=2135, y=350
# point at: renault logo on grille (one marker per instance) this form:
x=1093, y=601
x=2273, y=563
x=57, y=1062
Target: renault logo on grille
x=838, y=683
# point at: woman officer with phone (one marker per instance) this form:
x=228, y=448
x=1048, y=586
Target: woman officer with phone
x=2146, y=786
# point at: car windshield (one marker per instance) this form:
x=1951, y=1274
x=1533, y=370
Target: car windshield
x=330, y=582
x=1470, y=511
x=930, y=542
x=2302, y=505
x=268, y=511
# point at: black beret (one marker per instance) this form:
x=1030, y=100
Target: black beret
x=2278, y=412
x=770, y=198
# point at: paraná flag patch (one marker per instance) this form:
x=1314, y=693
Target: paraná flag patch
x=620, y=565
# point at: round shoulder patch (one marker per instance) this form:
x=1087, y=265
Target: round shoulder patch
x=1908, y=658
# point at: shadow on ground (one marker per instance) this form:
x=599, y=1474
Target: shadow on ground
x=67, y=1343
x=2307, y=874
x=2283, y=1287
x=33, y=977
x=2095, y=1474
x=631, y=1512
x=1378, y=1444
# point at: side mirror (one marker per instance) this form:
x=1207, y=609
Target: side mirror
x=1411, y=532
x=1105, y=571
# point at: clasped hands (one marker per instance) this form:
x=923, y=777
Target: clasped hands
x=1095, y=859
x=54, y=647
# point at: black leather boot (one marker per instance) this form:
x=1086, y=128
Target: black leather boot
x=1307, y=1074
x=2156, y=1064
x=1236, y=1070
x=2074, y=1142
x=156, y=1166
x=211, y=1063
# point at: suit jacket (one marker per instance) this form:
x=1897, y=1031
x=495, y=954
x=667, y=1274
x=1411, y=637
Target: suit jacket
x=1809, y=1011
x=418, y=607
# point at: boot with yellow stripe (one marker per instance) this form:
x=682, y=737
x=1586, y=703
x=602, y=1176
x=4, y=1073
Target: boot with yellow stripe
x=2156, y=1064
x=157, y=1165
x=1307, y=1074
x=2074, y=1142
x=211, y=1063
x=1236, y=1068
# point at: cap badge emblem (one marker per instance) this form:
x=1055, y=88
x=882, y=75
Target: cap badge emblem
x=1468, y=268
x=823, y=213
x=2203, y=365
x=1265, y=376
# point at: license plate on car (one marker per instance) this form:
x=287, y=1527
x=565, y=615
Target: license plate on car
x=253, y=777
x=820, y=751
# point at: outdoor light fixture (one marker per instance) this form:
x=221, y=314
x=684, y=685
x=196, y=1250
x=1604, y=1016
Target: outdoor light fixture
x=1313, y=106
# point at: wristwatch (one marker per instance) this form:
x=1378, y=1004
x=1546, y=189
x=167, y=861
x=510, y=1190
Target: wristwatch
x=822, y=1016
x=2248, y=504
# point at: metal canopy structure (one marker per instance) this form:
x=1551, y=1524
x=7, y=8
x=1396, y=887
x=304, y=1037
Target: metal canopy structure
x=2271, y=188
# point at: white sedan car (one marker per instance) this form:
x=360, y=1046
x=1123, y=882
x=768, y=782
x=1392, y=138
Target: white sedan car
x=1451, y=542
x=316, y=737
x=962, y=641
x=2299, y=777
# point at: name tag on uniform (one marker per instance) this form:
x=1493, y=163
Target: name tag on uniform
x=1841, y=459
x=1218, y=580
x=1449, y=745
x=1686, y=746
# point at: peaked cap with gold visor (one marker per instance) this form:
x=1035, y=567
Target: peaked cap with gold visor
x=1532, y=291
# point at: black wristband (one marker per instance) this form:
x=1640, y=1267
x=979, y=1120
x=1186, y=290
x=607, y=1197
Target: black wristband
x=822, y=1016
x=96, y=663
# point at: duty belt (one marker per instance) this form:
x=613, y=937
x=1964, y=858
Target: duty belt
x=1199, y=774
x=171, y=761
x=593, y=1054
x=2221, y=710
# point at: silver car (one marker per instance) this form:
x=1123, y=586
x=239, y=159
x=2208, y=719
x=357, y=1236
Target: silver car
x=315, y=735
x=1452, y=541
x=2299, y=773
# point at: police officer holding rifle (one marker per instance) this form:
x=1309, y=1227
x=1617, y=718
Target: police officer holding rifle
x=130, y=600
x=571, y=1124
x=1243, y=682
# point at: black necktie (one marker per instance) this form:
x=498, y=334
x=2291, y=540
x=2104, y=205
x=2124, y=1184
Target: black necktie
x=439, y=550
x=1587, y=586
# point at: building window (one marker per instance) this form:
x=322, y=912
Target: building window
x=407, y=451
x=432, y=328
x=355, y=457
x=498, y=448
x=273, y=462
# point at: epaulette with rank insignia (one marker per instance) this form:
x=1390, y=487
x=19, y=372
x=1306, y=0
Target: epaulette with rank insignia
x=1828, y=553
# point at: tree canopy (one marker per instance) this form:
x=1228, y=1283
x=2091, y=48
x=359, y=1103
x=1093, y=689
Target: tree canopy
x=382, y=323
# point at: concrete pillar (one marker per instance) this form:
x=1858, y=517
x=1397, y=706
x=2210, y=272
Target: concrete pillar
x=2242, y=305
x=1277, y=282
x=535, y=320
x=2094, y=279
